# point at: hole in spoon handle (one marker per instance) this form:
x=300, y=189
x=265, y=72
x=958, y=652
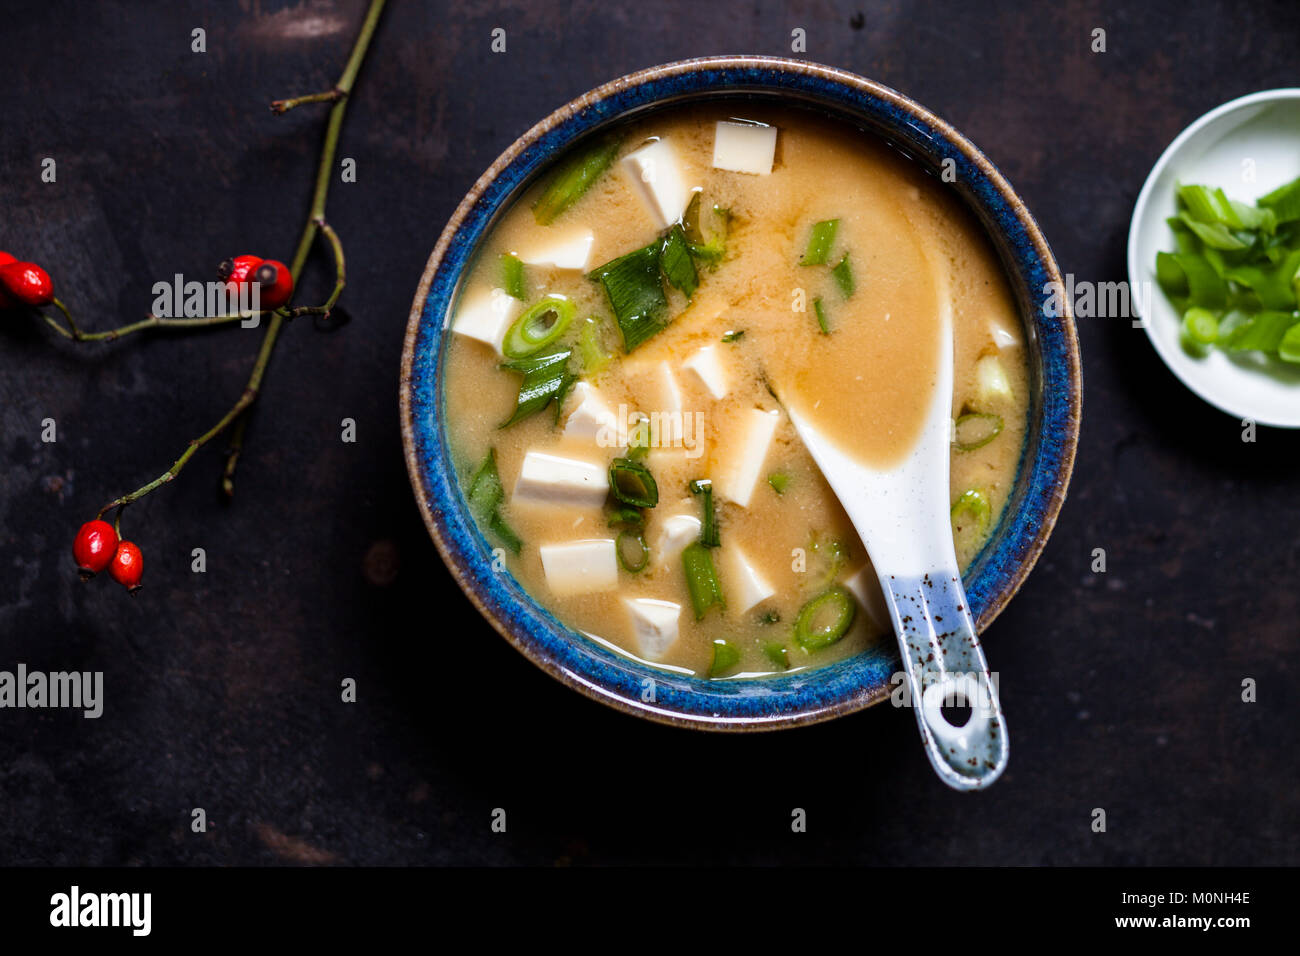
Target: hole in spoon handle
x=945, y=667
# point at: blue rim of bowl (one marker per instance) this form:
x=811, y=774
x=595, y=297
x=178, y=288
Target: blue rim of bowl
x=806, y=696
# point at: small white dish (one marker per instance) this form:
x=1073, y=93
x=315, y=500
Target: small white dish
x=1248, y=146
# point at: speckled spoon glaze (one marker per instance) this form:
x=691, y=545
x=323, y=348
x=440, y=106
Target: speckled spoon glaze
x=902, y=516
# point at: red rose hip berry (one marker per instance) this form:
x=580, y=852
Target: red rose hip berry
x=276, y=281
x=5, y=301
x=94, y=547
x=238, y=271
x=128, y=566
x=26, y=283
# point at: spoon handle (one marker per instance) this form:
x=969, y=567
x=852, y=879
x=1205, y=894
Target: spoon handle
x=945, y=664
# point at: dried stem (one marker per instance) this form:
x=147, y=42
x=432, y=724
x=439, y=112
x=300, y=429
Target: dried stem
x=237, y=415
x=329, y=96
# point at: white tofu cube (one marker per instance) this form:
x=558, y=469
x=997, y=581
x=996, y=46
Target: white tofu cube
x=744, y=147
x=866, y=588
x=670, y=392
x=1004, y=337
x=754, y=431
x=486, y=316
x=654, y=625
x=553, y=480
x=589, y=418
x=657, y=176
x=580, y=567
x=677, y=532
x=570, y=251
x=745, y=586
x=991, y=379
x=707, y=366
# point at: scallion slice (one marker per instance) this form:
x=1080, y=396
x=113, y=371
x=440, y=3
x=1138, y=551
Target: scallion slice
x=1200, y=326
x=636, y=294
x=573, y=179
x=676, y=263
x=485, y=496
x=512, y=276
x=775, y=652
x=823, y=322
x=1284, y=201
x=1263, y=333
x=709, y=525
x=639, y=439
x=779, y=481
x=546, y=377
x=1288, y=350
x=539, y=325
x=640, y=555
x=627, y=515
x=709, y=251
x=632, y=484
x=590, y=347
x=843, y=275
x=725, y=656
x=977, y=429
x=825, y=619
x=735, y=335
x=971, y=506
x=701, y=579
x=820, y=242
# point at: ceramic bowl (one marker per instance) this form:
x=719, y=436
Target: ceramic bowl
x=597, y=669
x=1249, y=147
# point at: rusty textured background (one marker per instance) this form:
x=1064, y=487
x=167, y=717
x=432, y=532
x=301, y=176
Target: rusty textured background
x=1122, y=690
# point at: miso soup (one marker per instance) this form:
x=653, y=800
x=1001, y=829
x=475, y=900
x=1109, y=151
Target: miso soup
x=607, y=382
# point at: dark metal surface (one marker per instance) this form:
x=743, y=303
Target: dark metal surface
x=1122, y=690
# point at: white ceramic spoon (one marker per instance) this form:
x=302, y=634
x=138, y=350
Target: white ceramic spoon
x=902, y=516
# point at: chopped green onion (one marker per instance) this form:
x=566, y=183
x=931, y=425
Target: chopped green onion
x=701, y=579
x=822, y=321
x=639, y=439
x=573, y=179
x=691, y=219
x=825, y=619
x=776, y=653
x=485, y=496
x=709, y=526
x=843, y=274
x=725, y=656
x=1215, y=235
x=1206, y=205
x=590, y=348
x=632, y=565
x=977, y=429
x=546, y=377
x=734, y=336
x=1288, y=350
x=512, y=276
x=1284, y=201
x=779, y=481
x=1235, y=275
x=1263, y=333
x=838, y=556
x=541, y=324
x=820, y=242
x=1201, y=326
x=632, y=484
x=1170, y=275
x=676, y=263
x=712, y=250
x=636, y=294
x=626, y=515
x=974, y=505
